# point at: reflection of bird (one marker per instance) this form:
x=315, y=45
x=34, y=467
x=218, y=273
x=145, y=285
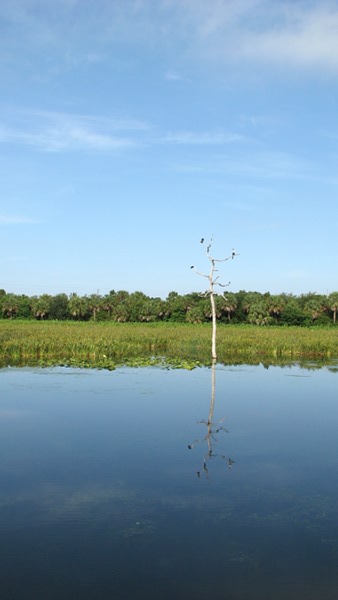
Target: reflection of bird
x=233, y=254
x=202, y=240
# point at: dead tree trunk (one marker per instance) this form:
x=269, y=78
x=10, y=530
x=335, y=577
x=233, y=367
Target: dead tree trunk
x=211, y=292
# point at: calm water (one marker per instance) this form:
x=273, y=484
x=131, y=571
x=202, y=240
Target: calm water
x=113, y=486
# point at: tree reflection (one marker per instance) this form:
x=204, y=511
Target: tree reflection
x=211, y=437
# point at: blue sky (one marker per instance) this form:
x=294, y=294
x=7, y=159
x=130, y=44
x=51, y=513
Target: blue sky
x=129, y=129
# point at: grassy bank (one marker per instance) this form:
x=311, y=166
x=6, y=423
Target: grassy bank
x=109, y=344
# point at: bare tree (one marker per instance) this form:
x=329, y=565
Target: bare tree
x=213, y=281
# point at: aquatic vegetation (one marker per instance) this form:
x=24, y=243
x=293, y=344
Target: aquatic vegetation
x=178, y=345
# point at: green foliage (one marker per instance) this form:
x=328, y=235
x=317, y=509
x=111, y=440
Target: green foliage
x=59, y=307
x=124, y=307
x=258, y=313
x=292, y=313
x=24, y=310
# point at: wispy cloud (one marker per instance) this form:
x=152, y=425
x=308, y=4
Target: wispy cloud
x=57, y=132
x=17, y=258
x=16, y=220
x=173, y=76
x=202, y=138
x=302, y=34
x=299, y=39
x=290, y=34
x=257, y=166
x=61, y=132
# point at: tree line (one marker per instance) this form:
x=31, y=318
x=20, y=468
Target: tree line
x=122, y=306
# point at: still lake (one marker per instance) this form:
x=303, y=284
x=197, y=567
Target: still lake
x=113, y=485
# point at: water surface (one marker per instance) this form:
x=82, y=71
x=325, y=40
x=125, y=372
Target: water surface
x=113, y=485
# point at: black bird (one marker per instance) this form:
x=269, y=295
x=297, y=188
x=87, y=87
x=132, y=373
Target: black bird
x=202, y=240
x=233, y=254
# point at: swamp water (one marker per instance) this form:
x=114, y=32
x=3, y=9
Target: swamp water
x=114, y=486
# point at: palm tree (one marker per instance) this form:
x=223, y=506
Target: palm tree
x=196, y=314
x=41, y=305
x=259, y=313
x=9, y=305
x=230, y=304
x=95, y=304
x=121, y=313
x=314, y=307
x=276, y=305
x=78, y=308
x=333, y=305
x=249, y=299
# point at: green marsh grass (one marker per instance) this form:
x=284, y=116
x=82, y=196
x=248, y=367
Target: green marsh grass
x=108, y=345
